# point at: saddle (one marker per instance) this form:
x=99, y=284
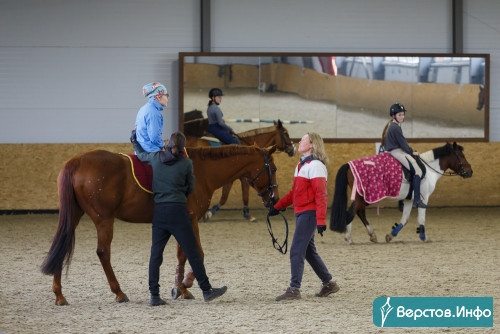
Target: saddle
x=142, y=172
x=211, y=139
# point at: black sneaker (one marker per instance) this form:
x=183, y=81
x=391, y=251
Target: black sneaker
x=214, y=293
x=156, y=301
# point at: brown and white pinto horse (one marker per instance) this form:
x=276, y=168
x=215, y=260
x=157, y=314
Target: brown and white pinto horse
x=437, y=161
x=101, y=184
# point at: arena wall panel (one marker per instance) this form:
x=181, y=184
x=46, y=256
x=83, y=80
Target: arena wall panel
x=28, y=174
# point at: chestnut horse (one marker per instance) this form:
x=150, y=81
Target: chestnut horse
x=101, y=184
x=437, y=161
x=262, y=137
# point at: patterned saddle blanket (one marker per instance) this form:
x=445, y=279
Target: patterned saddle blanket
x=376, y=177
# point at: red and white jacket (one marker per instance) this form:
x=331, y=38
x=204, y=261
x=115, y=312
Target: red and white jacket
x=309, y=190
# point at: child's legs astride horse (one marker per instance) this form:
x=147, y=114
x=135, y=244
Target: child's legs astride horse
x=410, y=163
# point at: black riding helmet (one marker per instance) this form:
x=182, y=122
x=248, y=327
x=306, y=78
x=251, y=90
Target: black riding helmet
x=215, y=92
x=395, y=108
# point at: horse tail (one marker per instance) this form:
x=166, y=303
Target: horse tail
x=63, y=243
x=338, y=216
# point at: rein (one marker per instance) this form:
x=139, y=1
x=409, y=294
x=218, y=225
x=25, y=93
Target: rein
x=283, y=247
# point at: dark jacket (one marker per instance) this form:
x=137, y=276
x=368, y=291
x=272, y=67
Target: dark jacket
x=394, y=138
x=173, y=178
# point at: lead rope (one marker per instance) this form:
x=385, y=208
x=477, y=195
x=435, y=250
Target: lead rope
x=283, y=247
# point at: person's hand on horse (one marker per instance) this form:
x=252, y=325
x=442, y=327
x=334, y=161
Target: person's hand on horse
x=273, y=211
x=321, y=229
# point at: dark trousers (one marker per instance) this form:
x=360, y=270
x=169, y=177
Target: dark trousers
x=222, y=134
x=303, y=248
x=173, y=219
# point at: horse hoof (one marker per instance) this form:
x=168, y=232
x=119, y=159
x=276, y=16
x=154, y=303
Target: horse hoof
x=188, y=295
x=374, y=239
x=388, y=238
x=252, y=219
x=123, y=299
x=207, y=216
x=175, y=293
x=62, y=302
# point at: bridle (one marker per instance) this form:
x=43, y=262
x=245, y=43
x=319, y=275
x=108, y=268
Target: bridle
x=286, y=144
x=270, y=188
x=270, y=202
x=461, y=171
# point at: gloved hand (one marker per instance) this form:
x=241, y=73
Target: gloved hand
x=133, y=137
x=321, y=229
x=273, y=211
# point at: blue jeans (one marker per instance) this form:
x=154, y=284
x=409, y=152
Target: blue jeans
x=303, y=248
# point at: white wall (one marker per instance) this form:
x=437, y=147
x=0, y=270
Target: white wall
x=482, y=35
x=71, y=71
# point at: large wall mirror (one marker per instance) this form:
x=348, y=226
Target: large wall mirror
x=343, y=97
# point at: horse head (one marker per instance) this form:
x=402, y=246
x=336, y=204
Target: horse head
x=460, y=165
x=264, y=179
x=287, y=145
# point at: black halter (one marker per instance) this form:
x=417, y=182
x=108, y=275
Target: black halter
x=286, y=144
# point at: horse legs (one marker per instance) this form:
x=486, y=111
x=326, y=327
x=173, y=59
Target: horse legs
x=223, y=199
x=369, y=228
x=104, y=238
x=407, y=206
x=57, y=289
x=349, y=219
x=421, y=225
x=245, y=189
x=181, y=282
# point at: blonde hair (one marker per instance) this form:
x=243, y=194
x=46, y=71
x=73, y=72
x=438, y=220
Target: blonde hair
x=318, y=147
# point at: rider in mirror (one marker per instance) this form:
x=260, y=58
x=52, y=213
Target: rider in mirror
x=309, y=197
x=216, y=124
x=149, y=120
x=396, y=144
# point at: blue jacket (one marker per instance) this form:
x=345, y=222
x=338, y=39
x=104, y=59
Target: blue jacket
x=149, y=126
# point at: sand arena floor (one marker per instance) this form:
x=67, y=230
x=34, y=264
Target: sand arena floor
x=461, y=260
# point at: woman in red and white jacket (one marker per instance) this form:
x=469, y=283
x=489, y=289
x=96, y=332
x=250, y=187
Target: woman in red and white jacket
x=309, y=198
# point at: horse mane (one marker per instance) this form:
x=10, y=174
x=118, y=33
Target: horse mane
x=445, y=150
x=220, y=152
x=257, y=131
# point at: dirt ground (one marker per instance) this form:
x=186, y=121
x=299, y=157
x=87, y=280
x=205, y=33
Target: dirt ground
x=461, y=260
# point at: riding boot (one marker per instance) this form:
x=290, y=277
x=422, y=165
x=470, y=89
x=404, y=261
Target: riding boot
x=417, y=202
